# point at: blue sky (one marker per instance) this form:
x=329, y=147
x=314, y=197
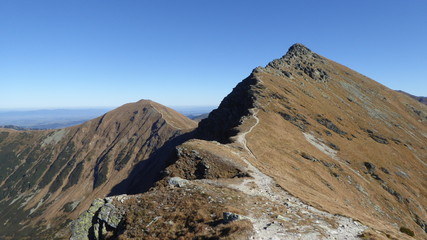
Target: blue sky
x=93, y=53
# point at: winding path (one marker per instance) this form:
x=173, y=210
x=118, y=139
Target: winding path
x=300, y=217
x=241, y=138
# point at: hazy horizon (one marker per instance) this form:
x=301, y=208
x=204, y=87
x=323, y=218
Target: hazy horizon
x=60, y=118
x=184, y=107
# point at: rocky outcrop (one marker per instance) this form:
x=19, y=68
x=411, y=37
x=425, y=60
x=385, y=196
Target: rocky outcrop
x=194, y=160
x=102, y=219
x=177, y=182
x=80, y=228
x=221, y=123
x=303, y=62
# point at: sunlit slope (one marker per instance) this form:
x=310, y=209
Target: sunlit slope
x=49, y=177
x=332, y=137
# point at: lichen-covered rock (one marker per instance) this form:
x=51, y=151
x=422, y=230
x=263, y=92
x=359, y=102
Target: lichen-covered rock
x=92, y=224
x=80, y=227
x=110, y=215
x=96, y=205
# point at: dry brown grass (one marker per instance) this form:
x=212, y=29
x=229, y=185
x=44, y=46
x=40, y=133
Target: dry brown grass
x=198, y=159
x=277, y=143
x=192, y=212
x=359, y=118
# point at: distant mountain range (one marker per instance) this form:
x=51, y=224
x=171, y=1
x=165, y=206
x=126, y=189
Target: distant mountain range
x=49, y=119
x=62, y=118
x=419, y=99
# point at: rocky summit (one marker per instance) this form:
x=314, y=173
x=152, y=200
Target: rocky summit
x=303, y=148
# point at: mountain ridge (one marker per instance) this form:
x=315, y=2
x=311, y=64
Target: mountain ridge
x=77, y=163
x=302, y=148
x=319, y=104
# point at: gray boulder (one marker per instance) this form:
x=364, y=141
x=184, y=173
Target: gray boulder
x=177, y=182
x=94, y=221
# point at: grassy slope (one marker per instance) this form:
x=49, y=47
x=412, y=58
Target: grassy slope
x=334, y=138
x=42, y=172
x=372, y=124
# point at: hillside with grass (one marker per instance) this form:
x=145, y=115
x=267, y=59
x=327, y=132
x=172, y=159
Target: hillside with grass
x=47, y=178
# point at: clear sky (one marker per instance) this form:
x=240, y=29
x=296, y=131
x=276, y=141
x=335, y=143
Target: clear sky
x=97, y=53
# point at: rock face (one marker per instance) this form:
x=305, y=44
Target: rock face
x=50, y=177
x=83, y=227
x=221, y=123
x=99, y=221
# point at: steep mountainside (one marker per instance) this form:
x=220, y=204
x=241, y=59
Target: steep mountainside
x=303, y=148
x=326, y=132
x=50, y=177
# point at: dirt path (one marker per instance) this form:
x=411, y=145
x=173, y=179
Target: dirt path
x=241, y=138
x=301, y=220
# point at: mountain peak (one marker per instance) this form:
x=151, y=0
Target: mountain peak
x=101, y=154
x=300, y=60
x=299, y=49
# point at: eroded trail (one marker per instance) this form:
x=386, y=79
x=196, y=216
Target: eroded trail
x=301, y=221
x=241, y=138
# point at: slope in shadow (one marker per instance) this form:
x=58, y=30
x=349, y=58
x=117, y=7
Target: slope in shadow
x=146, y=173
x=221, y=123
